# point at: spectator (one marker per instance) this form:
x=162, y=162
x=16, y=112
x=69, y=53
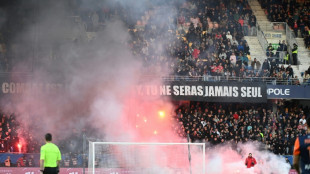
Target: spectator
x=241, y=47
x=30, y=161
x=269, y=53
x=250, y=161
x=244, y=59
x=246, y=24
x=303, y=120
x=229, y=36
x=252, y=25
x=294, y=54
x=256, y=65
x=8, y=162
x=288, y=162
x=287, y=58
x=295, y=28
x=281, y=51
x=265, y=65
x=306, y=77
x=21, y=162
x=233, y=59
x=236, y=116
x=307, y=37
x=289, y=69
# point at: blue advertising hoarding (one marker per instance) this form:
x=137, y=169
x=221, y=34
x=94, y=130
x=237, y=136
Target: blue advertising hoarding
x=288, y=92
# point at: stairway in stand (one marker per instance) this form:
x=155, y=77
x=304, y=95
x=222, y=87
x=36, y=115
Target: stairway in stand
x=266, y=26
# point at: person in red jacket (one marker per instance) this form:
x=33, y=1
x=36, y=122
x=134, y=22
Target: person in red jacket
x=250, y=161
x=236, y=116
x=196, y=53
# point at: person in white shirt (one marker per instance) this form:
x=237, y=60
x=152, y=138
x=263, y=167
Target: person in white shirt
x=233, y=59
x=229, y=36
x=303, y=120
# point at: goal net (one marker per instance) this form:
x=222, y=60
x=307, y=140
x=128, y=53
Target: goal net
x=146, y=158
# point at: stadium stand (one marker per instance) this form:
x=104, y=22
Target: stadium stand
x=290, y=20
x=226, y=123
x=295, y=13
x=207, y=44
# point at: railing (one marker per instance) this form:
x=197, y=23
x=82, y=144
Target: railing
x=290, y=39
x=275, y=30
x=16, y=73
x=267, y=80
x=279, y=56
x=290, y=36
x=32, y=159
x=274, y=27
x=261, y=38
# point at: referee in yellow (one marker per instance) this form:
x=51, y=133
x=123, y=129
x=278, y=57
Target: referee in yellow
x=50, y=157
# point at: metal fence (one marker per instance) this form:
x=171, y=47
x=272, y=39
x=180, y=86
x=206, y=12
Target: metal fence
x=290, y=36
x=267, y=80
x=275, y=27
x=261, y=38
x=276, y=30
x=278, y=56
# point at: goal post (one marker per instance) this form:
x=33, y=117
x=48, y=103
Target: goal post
x=131, y=157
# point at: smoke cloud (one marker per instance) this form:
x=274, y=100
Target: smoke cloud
x=96, y=77
x=99, y=77
x=231, y=159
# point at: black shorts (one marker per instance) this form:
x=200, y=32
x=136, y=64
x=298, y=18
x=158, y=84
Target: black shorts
x=51, y=170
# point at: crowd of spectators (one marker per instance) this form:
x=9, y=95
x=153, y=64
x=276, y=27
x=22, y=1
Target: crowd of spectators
x=206, y=39
x=295, y=13
x=194, y=38
x=201, y=44
x=220, y=123
x=213, y=123
x=17, y=140
x=13, y=138
x=200, y=39
x=8, y=133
